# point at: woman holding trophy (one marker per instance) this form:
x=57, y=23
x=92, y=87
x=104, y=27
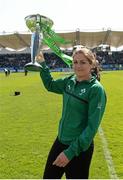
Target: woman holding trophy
x=84, y=101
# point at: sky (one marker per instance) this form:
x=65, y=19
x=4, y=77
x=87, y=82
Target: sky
x=67, y=15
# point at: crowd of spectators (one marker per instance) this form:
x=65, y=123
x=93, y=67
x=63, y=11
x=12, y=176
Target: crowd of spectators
x=110, y=57
x=16, y=62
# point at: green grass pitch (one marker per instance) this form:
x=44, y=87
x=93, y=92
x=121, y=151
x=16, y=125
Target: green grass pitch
x=28, y=126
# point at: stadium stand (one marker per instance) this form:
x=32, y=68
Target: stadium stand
x=15, y=62
x=20, y=42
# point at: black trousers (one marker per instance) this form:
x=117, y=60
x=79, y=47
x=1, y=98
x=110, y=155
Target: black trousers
x=77, y=168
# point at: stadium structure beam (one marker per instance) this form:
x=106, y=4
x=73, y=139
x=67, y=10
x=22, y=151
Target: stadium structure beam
x=108, y=32
x=22, y=40
x=2, y=46
x=77, y=40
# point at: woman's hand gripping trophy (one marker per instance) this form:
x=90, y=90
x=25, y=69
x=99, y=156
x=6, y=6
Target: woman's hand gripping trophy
x=40, y=57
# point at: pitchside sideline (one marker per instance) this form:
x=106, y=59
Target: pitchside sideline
x=28, y=126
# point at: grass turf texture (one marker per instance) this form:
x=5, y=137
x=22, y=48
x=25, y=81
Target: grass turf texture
x=28, y=126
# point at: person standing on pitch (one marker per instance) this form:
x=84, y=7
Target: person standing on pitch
x=84, y=101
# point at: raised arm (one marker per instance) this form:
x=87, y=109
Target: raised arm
x=56, y=86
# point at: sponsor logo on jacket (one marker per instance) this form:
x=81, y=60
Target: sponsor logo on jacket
x=82, y=91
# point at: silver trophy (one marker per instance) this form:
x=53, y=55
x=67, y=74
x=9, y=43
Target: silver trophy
x=35, y=23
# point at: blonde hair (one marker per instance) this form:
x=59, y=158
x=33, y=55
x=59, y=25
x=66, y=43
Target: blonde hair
x=86, y=52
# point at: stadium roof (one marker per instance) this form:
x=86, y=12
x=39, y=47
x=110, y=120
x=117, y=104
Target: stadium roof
x=90, y=39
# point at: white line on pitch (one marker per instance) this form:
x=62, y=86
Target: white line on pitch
x=107, y=155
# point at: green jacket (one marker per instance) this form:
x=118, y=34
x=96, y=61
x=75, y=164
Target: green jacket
x=83, y=107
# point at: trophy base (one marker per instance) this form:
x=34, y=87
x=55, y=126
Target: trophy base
x=33, y=67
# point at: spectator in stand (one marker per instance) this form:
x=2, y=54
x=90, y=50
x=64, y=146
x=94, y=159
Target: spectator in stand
x=25, y=72
x=84, y=102
x=6, y=72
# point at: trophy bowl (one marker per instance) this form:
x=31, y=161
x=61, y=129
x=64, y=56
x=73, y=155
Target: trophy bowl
x=32, y=20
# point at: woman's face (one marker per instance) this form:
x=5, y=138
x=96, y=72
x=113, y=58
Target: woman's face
x=81, y=66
